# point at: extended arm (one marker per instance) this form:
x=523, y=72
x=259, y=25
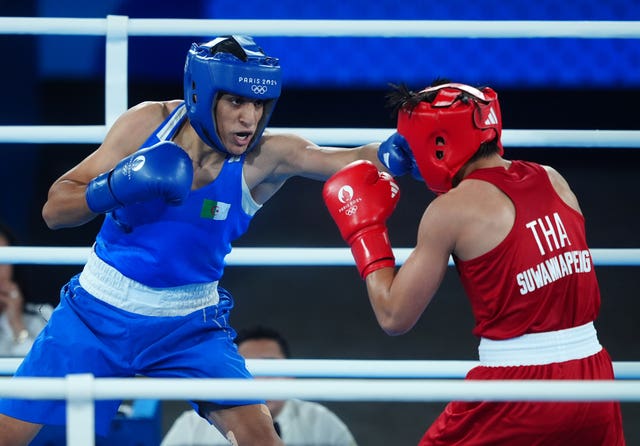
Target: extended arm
x=299, y=156
x=281, y=156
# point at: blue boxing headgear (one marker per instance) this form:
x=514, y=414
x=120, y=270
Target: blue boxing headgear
x=232, y=64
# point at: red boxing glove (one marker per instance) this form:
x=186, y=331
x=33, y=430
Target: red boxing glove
x=360, y=199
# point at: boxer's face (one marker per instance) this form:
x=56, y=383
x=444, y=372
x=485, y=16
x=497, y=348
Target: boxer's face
x=237, y=120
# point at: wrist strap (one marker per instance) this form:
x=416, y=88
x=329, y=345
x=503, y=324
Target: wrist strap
x=99, y=197
x=371, y=250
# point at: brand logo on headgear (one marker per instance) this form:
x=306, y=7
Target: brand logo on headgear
x=259, y=89
x=492, y=119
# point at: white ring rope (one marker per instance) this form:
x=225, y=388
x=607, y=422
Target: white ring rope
x=94, y=134
x=331, y=28
x=326, y=389
x=364, y=368
x=407, y=369
x=117, y=29
x=81, y=391
x=277, y=256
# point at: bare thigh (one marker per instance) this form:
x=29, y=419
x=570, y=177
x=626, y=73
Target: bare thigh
x=14, y=432
x=250, y=425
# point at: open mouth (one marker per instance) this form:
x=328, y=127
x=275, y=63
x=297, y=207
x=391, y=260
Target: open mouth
x=242, y=138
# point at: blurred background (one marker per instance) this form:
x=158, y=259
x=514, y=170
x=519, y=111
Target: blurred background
x=341, y=82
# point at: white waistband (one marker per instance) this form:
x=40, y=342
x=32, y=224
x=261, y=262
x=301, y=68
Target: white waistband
x=541, y=348
x=109, y=285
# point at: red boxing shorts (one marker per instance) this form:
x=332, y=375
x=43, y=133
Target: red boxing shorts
x=532, y=423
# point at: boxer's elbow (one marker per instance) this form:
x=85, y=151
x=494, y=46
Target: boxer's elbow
x=65, y=214
x=394, y=324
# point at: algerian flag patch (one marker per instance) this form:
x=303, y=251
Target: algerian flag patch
x=214, y=210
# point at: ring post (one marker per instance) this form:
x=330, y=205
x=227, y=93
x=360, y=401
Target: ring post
x=80, y=410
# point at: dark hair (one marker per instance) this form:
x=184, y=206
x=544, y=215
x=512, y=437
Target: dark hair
x=401, y=96
x=230, y=45
x=485, y=150
x=261, y=332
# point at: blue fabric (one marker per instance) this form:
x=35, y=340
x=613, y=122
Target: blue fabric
x=160, y=245
x=86, y=335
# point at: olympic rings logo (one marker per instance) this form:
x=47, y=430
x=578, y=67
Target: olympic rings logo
x=352, y=210
x=259, y=89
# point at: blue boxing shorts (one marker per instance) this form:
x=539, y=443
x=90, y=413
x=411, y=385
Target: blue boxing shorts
x=88, y=335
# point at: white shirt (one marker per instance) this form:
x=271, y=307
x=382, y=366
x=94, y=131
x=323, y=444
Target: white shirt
x=302, y=423
x=35, y=318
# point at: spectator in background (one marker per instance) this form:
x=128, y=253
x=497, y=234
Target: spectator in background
x=299, y=423
x=20, y=321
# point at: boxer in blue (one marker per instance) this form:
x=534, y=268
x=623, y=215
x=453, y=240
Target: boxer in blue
x=177, y=182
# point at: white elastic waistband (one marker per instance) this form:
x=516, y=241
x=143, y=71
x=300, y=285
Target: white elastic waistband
x=109, y=285
x=541, y=348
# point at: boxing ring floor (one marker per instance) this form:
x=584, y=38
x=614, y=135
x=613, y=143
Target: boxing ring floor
x=324, y=318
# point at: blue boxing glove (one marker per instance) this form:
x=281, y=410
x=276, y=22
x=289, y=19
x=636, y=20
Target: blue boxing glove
x=163, y=170
x=396, y=155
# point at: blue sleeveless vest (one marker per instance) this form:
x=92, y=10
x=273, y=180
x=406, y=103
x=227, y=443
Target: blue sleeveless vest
x=165, y=246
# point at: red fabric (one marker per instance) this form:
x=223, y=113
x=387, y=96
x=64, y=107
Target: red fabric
x=360, y=199
x=444, y=134
x=510, y=296
x=540, y=277
x=532, y=423
x=371, y=250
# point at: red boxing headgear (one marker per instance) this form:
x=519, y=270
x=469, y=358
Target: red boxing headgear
x=445, y=133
